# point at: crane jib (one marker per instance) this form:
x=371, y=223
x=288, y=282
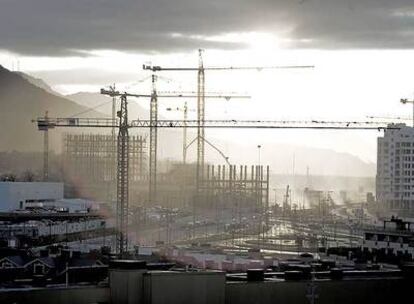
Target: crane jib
x=49, y=123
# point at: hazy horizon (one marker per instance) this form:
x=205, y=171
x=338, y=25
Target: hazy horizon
x=361, y=51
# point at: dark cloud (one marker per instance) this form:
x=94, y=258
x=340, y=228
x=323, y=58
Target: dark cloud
x=61, y=27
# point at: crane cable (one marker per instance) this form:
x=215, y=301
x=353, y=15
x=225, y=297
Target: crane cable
x=91, y=109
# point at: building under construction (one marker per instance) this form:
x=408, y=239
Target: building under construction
x=235, y=187
x=90, y=160
x=223, y=186
x=89, y=163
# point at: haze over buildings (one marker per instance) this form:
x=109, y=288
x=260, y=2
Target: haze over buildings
x=206, y=152
x=356, y=59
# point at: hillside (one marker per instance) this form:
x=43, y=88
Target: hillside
x=38, y=82
x=20, y=102
x=103, y=104
x=283, y=158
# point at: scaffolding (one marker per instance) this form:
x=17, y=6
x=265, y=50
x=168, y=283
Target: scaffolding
x=92, y=159
x=229, y=185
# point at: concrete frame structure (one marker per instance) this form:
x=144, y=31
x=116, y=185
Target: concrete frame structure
x=250, y=187
x=91, y=161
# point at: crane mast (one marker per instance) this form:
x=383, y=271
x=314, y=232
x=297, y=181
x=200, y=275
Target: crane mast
x=153, y=144
x=46, y=152
x=112, y=88
x=201, y=99
x=153, y=147
x=122, y=179
x=185, y=133
x=45, y=123
x=201, y=119
x=113, y=131
x=185, y=117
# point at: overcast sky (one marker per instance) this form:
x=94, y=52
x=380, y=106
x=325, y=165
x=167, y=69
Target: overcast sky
x=362, y=50
x=60, y=27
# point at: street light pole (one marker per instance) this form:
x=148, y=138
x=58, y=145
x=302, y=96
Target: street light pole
x=258, y=147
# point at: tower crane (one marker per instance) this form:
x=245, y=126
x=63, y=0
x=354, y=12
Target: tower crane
x=122, y=180
x=112, y=88
x=46, y=152
x=226, y=158
x=152, y=192
x=123, y=124
x=405, y=101
x=154, y=132
x=51, y=123
x=185, y=110
x=390, y=117
x=201, y=98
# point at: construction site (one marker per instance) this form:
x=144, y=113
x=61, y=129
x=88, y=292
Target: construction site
x=220, y=205
x=122, y=214
x=206, y=152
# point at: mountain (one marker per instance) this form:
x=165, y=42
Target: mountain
x=23, y=98
x=282, y=158
x=287, y=158
x=20, y=102
x=103, y=104
x=38, y=83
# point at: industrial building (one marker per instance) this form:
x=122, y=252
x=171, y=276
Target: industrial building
x=395, y=169
x=36, y=213
x=19, y=195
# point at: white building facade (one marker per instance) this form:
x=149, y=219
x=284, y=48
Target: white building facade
x=395, y=169
x=18, y=195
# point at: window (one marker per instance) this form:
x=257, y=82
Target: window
x=39, y=268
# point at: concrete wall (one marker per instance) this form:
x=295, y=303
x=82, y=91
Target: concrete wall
x=74, y=295
x=184, y=287
x=345, y=291
x=126, y=286
x=210, y=288
x=12, y=193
